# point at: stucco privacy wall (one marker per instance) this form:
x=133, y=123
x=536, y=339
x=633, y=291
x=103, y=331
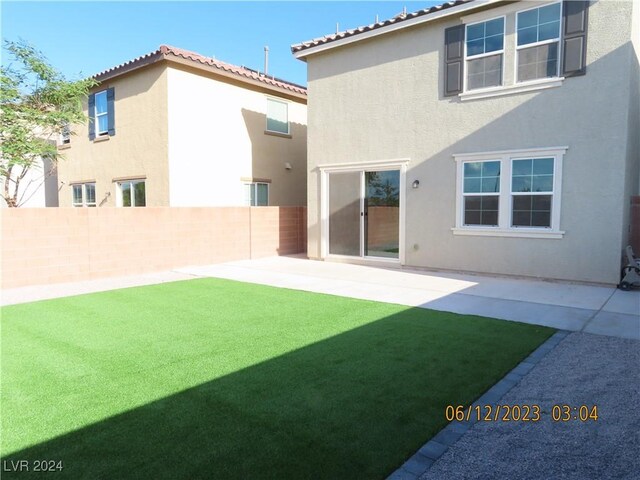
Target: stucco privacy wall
x=381, y=99
x=44, y=246
x=217, y=137
x=138, y=149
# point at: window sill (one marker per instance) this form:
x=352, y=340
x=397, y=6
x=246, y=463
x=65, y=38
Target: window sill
x=64, y=146
x=512, y=89
x=499, y=232
x=102, y=138
x=277, y=134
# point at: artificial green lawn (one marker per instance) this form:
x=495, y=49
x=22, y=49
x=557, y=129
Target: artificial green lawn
x=213, y=378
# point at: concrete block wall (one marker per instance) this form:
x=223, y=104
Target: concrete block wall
x=44, y=246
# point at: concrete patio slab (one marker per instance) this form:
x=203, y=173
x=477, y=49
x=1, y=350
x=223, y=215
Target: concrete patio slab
x=563, y=318
x=565, y=306
x=44, y=292
x=615, y=324
x=623, y=302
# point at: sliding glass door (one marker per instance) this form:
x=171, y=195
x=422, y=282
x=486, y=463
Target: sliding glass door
x=364, y=213
x=382, y=214
x=344, y=213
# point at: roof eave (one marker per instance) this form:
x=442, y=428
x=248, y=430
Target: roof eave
x=130, y=66
x=159, y=56
x=466, y=7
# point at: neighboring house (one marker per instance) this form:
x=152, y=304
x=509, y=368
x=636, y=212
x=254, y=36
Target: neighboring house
x=38, y=187
x=495, y=137
x=174, y=128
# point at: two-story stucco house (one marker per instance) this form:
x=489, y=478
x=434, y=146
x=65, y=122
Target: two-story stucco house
x=175, y=128
x=483, y=136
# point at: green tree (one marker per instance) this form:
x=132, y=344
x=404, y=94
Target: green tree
x=381, y=193
x=37, y=103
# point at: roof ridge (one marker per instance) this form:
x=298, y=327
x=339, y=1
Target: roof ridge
x=165, y=50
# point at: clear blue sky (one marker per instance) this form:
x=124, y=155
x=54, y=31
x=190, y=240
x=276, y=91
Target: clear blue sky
x=88, y=37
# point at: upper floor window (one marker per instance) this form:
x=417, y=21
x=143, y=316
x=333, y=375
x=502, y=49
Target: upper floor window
x=132, y=193
x=277, y=116
x=102, y=114
x=538, y=42
x=548, y=45
x=484, y=53
x=65, y=136
x=84, y=194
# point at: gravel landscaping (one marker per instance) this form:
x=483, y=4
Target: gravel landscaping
x=583, y=369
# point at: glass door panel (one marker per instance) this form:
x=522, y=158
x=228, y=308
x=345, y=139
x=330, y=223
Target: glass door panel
x=344, y=213
x=382, y=214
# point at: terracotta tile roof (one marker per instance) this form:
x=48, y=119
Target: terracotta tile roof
x=367, y=28
x=165, y=52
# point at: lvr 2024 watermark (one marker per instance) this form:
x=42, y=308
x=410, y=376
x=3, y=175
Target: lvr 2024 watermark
x=32, y=465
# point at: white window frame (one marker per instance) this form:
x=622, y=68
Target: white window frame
x=512, y=193
x=254, y=186
x=537, y=44
x=482, y=194
x=97, y=115
x=465, y=88
x=132, y=182
x=504, y=228
x=83, y=202
x=266, y=126
x=513, y=87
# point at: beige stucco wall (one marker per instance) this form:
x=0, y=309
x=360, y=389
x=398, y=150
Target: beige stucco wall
x=217, y=138
x=381, y=99
x=138, y=149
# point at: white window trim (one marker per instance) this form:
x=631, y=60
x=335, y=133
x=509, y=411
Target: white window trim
x=516, y=87
x=266, y=126
x=521, y=87
x=537, y=44
x=254, y=186
x=481, y=55
x=84, y=202
x=119, y=202
x=504, y=228
x=97, y=115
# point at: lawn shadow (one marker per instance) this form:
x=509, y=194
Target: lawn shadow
x=354, y=405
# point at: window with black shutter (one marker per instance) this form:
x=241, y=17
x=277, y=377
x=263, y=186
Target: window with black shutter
x=102, y=114
x=453, y=53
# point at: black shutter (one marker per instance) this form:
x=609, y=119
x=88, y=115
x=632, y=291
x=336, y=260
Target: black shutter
x=111, y=119
x=453, y=60
x=92, y=116
x=574, y=46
